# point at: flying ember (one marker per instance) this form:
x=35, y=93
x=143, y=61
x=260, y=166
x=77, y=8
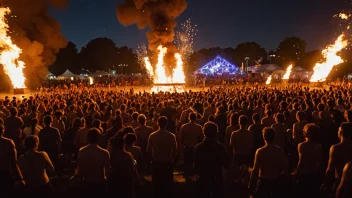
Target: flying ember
x=268, y=81
x=162, y=82
x=323, y=69
x=288, y=73
x=9, y=56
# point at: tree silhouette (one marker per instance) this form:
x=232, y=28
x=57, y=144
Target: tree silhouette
x=290, y=50
x=67, y=58
x=251, y=50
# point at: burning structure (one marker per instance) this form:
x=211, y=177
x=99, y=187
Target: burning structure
x=168, y=73
x=30, y=38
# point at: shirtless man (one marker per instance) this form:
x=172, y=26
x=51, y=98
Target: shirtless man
x=340, y=154
x=344, y=189
x=8, y=165
x=270, y=164
x=309, y=163
x=281, y=131
x=241, y=142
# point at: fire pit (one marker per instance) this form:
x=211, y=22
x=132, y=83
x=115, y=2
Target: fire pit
x=18, y=91
x=169, y=87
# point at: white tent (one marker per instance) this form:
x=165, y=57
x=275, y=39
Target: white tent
x=67, y=74
x=50, y=76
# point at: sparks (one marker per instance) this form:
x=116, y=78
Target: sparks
x=323, y=69
x=268, y=81
x=344, y=16
x=10, y=54
x=288, y=72
x=184, y=39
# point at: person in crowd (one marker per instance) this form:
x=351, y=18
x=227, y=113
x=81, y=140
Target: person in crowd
x=142, y=133
x=135, y=123
x=9, y=170
x=191, y=135
x=309, y=163
x=234, y=126
x=340, y=154
x=124, y=172
x=34, y=166
x=93, y=165
x=162, y=150
x=210, y=159
x=268, y=120
x=33, y=129
x=68, y=139
x=256, y=129
x=270, y=164
x=280, y=132
x=344, y=190
x=58, y=123
x=81, y=135
x=241, y=143
x=13, y=128
x=135, y=151
x=50, y=140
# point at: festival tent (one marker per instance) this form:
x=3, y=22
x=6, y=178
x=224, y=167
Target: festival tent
x=218, y=65
x=50, y=76
x=268, y=68
x=67, y=74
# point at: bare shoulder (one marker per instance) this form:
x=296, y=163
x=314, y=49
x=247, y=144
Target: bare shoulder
x=8, y=142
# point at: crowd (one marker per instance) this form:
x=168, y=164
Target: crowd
x=276, y=141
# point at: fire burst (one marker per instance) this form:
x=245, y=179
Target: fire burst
x=9, y=56
x=159, y=75
x=184, y=39
x=322, y=70
x=288, y=72
x=268, y=81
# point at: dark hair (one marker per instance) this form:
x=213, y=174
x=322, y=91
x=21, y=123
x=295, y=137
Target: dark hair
x=48, y=120
x=77, y=123
x=269, y=134
x=234, y=119
x=130, y=138
x=280, y=117
x=135, y=115
x=348, y=115
x=346, y=130
x=93, y=135
x=301, y=115
x=88, y=120
x=243, y=120
x=256, y=117
x=162, y=121
x=96, y=123
x=31, y=142
x=211, y=118
x=141, y=119
x=13, y=111
x=210, y=130
x=311, y=131
x=192, y=117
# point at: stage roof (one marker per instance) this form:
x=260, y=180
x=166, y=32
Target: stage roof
x=218, y=65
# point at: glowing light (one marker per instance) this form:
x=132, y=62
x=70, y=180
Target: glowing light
x=288, y=73
x=268, y=81
x=218, y=65
x=344, y=16
x=160, y=77
x=142, y=52
x=322, y=70
x=10, y=54
x=91, y=80
x=184, y=39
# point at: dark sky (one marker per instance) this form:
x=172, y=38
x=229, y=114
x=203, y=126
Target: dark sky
x=221, y=23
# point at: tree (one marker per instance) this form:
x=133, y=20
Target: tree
x=127, y=61
x=67, y=58
x=99, y=54
x=310, y=59
x=290, y=50
x=251, y=50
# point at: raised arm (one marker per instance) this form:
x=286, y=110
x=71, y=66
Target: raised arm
x=49, y=165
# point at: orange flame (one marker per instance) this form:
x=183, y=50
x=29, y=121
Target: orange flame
x=288, y=72
x=322, y=70
x=9, y=56
x=268, y=81
x=159, y=75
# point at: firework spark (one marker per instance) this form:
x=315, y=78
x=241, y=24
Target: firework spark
x=142, y=52
x=184, y=39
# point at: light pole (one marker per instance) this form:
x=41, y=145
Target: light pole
x=271, y=58
x=246, y=69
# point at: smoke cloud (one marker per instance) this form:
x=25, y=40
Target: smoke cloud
x=37, y=34
x=159, y=15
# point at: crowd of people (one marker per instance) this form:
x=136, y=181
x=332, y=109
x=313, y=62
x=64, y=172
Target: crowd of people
x=278, y=142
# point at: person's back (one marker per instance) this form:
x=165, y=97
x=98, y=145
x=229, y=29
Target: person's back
x=256, y=130
x=143, y=133
x=191, y=134
x=273, y=163
x=344, y=190
x=163, y=144
x=49, y=140
x=13, y=126
x=280, y=132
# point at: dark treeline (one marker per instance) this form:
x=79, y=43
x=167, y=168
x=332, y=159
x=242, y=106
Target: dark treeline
x=104, y=54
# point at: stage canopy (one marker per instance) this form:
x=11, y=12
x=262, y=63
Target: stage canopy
x=218, y=66
x=67, y=74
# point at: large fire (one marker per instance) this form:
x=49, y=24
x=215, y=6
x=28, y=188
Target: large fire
x=322, y=70
x=10, y=54
x=159, y=74
x=288, y=72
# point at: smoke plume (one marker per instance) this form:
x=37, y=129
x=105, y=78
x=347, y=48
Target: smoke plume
x=159, y=15
x=37, y=33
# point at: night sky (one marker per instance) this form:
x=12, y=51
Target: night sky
x=220, y=23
